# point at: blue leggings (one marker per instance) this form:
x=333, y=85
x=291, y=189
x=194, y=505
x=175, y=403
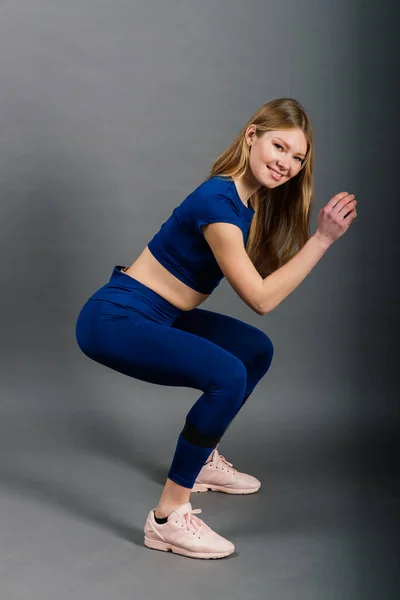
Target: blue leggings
x=128, y=327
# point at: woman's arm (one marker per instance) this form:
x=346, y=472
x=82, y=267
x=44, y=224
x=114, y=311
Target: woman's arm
x=277, y=286
x=261, y=295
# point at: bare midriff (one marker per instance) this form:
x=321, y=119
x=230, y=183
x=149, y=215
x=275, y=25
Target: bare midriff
x=151, y=273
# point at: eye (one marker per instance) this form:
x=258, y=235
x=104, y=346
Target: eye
x=297, y=157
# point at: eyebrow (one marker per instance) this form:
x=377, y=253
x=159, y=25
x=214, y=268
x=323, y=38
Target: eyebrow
x=287, y=145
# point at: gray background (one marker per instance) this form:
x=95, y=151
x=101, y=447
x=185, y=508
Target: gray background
x=110, y=114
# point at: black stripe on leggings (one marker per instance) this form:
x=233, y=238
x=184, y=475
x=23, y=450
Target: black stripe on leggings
x=199, y=439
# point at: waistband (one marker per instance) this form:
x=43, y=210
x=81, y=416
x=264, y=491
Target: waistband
x=126, y=291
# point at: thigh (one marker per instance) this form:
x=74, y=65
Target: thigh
x=240, y=339
x=156, y=353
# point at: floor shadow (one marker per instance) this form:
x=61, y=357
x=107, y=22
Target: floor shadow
x=61, y=497
x=104, y=436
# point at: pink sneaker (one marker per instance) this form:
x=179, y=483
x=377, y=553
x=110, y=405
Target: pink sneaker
x=219, y=475
x=185, y=534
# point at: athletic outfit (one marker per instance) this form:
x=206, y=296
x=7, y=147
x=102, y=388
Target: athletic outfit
x=128, y=327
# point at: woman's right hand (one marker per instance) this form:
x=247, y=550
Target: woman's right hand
x=336, y=217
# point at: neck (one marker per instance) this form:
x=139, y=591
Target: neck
x=246, y=187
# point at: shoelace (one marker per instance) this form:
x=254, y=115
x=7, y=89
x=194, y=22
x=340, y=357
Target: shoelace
x=195, y=523
x=223, y=459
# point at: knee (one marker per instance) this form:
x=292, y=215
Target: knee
x=236, y=378
x=264, y=351
x=268, y=348
x=234, y=382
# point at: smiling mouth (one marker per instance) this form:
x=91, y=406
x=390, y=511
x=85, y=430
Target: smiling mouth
x=274, y=174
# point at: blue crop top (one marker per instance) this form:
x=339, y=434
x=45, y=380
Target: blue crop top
x=179, y=244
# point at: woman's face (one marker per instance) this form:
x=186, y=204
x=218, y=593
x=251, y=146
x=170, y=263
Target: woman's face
x=276, y=156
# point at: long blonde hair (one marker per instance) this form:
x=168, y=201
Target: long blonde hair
x=281, y=223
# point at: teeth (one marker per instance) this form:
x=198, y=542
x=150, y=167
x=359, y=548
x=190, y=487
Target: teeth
x=275, y=173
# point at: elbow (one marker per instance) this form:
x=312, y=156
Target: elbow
x=261, y=307
x=267, y=302
x=261, y=310
x=262, y=304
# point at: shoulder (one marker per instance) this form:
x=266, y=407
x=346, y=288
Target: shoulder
x=215, y=193
x=214, y=186
x=213, y=200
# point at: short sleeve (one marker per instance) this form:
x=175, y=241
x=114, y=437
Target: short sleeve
x=215, y=209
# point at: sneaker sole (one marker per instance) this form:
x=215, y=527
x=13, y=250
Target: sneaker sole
x=165, y=547
x=202, y=487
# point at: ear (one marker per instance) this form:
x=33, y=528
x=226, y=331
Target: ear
x=250, y=133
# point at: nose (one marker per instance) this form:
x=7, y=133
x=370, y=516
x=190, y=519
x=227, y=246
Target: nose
x=282, y=167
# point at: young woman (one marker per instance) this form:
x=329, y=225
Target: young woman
x=248, y=221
